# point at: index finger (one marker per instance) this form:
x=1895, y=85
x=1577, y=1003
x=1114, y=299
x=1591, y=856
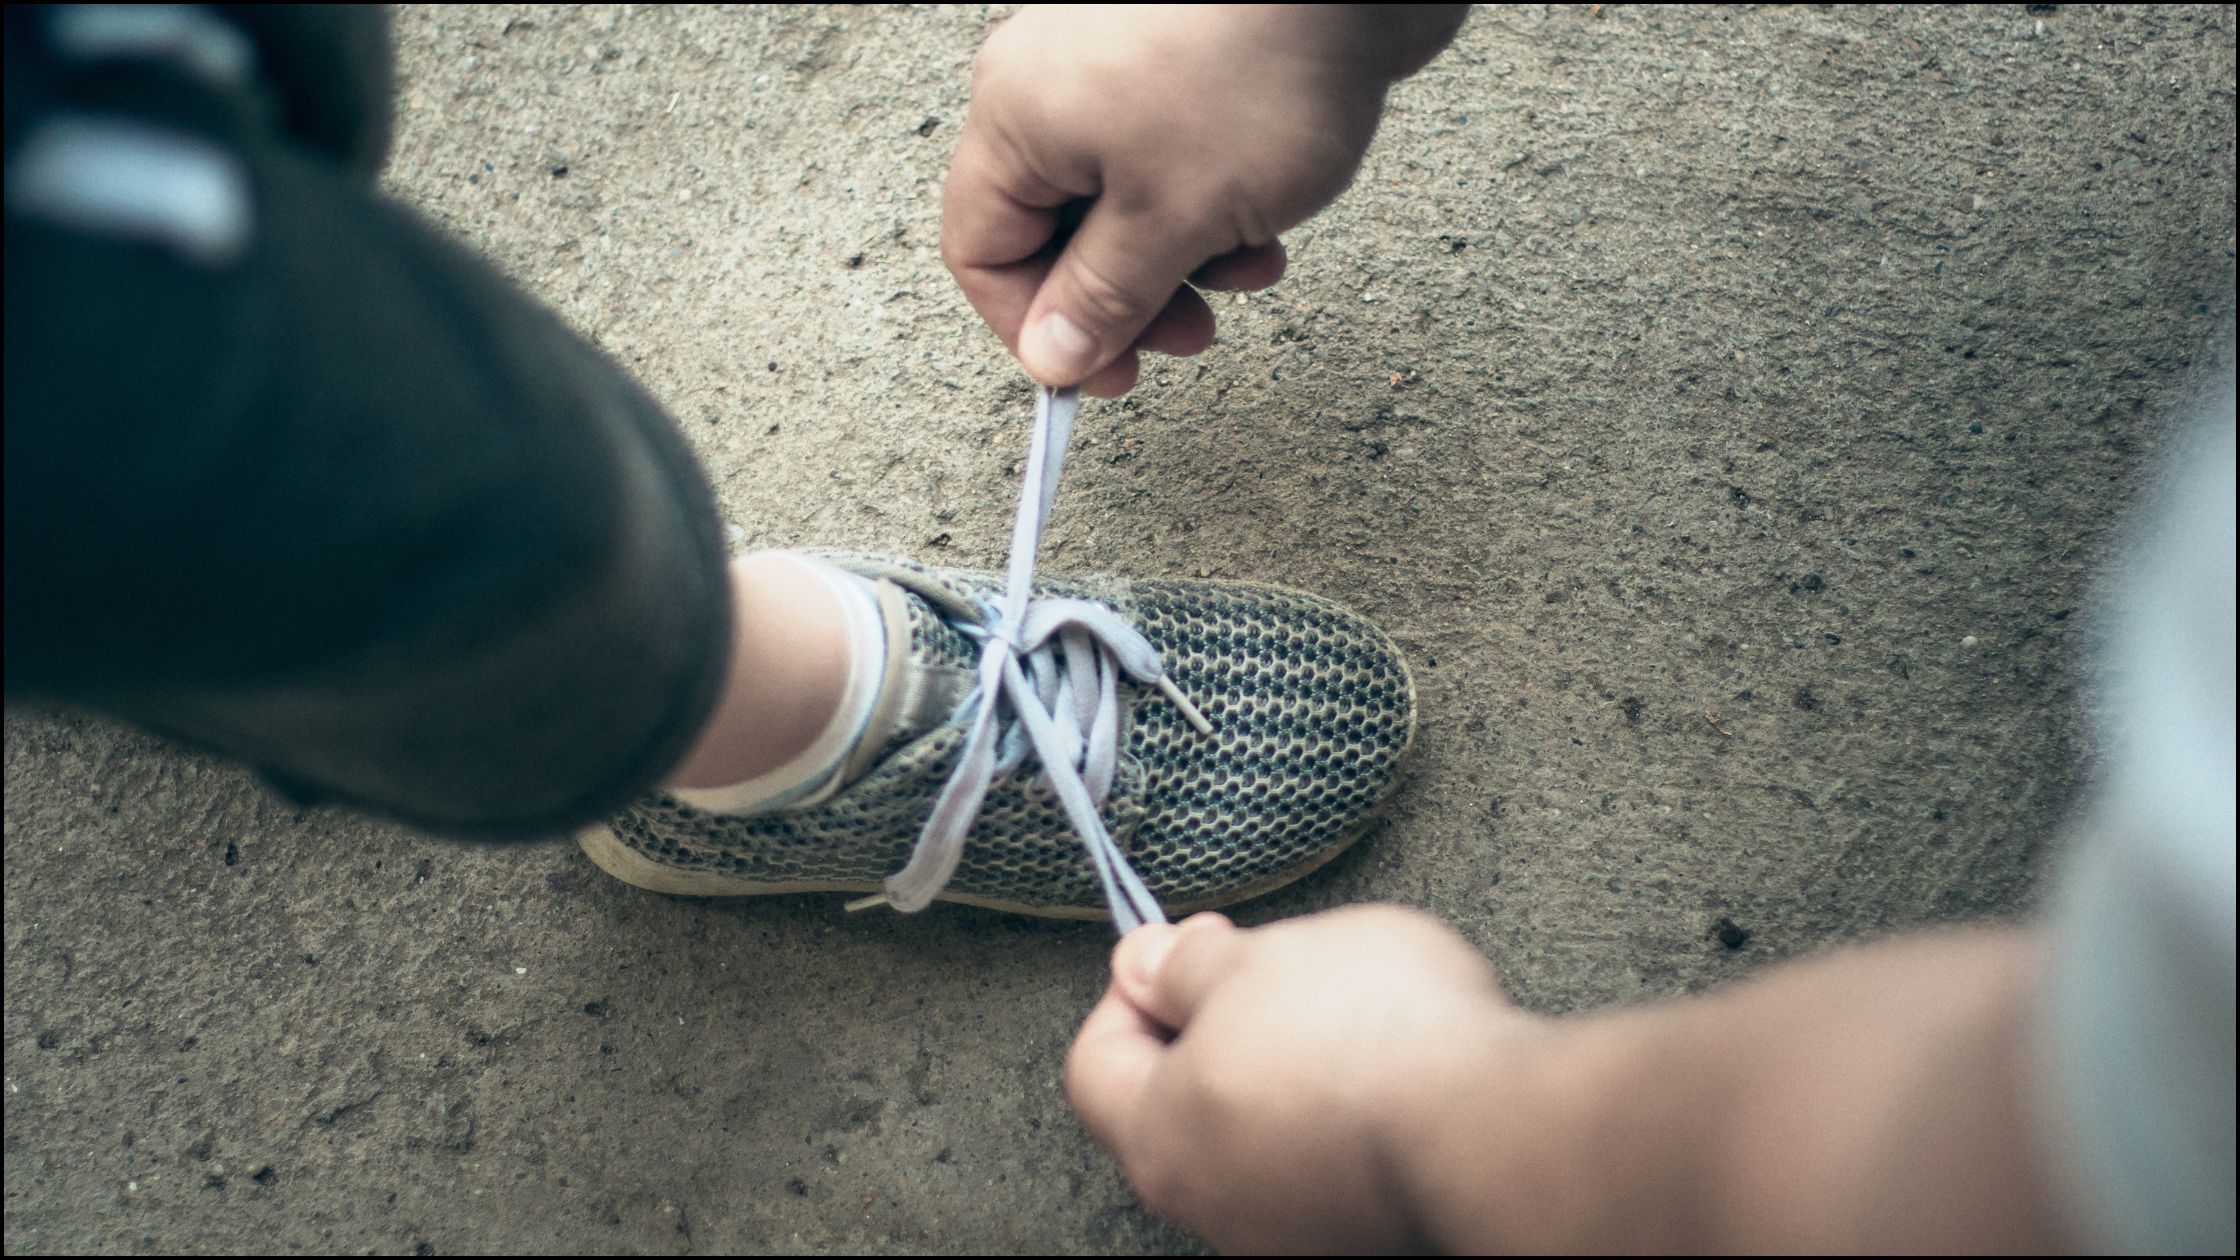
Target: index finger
x=996, y=219
x=1110, y=1066
x=1002, y=231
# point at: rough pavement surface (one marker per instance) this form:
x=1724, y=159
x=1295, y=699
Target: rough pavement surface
x=1731, y=412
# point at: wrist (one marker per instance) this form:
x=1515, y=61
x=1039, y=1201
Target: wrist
x=1860, y=1102
x=1566, y=1137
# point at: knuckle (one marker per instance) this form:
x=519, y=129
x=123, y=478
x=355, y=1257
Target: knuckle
x=1108, y=301
x=1082, y=1077
x=1163, y=1184
x=953, y=256
x=1227, y=1085
x=995, y=55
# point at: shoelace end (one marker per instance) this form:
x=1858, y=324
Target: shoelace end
x=1182, y=702
x=865, y=903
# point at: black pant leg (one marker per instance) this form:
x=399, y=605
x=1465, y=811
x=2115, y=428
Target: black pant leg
x=341, y=502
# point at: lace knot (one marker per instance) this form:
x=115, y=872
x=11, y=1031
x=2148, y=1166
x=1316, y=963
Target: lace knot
x=1052, y=665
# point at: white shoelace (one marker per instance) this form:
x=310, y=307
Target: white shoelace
x=1052, y=666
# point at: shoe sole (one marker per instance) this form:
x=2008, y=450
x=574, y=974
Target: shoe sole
x=607, y=851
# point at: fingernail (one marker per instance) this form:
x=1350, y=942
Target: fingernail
x=1149, y=946
x=1057, y=348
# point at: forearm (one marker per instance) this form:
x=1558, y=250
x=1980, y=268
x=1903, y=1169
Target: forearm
x=1874, y=1100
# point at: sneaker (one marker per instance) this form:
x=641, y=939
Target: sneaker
x=1065, y=747
x=1312, y=713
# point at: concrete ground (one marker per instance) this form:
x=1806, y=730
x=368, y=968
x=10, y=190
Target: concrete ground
x=1731, y=412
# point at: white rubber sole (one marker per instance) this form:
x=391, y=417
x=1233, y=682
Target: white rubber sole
x=607, y=851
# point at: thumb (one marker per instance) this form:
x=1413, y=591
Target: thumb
x=1117, y=273
x=1166, y=971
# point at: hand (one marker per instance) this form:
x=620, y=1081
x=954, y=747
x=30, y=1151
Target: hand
x=1258, y=1085
x=1184, y=139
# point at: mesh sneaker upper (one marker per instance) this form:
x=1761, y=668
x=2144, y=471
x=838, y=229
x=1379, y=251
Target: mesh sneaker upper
x=1312, y=711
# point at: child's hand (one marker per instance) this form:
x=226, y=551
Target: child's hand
x=1192, y=135
x=1257, y=1084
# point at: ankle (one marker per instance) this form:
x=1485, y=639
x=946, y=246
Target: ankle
x=790, y=663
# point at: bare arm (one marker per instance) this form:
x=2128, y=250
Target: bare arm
x=1359, y=1079
x=1873, y=1100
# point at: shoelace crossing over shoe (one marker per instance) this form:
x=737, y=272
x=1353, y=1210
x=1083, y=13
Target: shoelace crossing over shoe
x=1070, y=747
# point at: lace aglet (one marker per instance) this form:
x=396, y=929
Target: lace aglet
x=1182, y=702
x=865, y=903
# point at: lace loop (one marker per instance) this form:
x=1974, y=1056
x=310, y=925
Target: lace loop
x=1052, y=667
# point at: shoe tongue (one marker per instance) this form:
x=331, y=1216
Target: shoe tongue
x=930, y=670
